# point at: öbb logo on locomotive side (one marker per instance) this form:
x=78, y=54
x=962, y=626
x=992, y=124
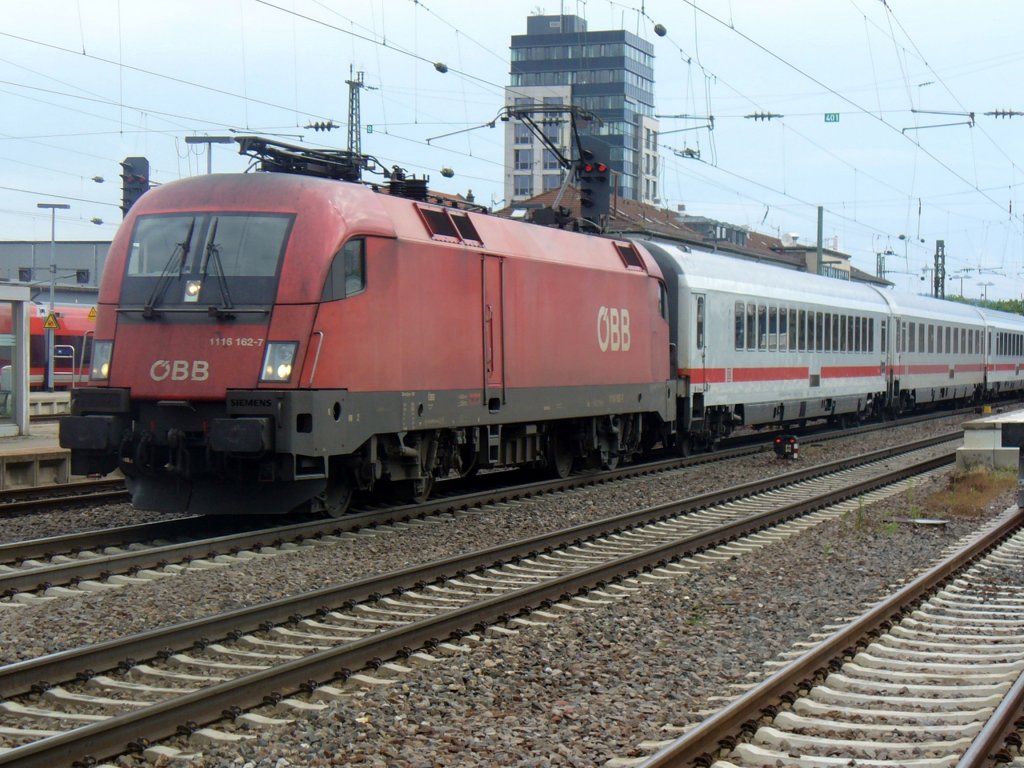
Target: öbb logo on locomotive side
x=180, y=370
x=613, y=329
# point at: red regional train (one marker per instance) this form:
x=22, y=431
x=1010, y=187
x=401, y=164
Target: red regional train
x=269, y=342
x=72, y=344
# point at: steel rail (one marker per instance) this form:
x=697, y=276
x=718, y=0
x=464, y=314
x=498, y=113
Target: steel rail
x=19, y=677
x=989, y=745
x=110, y=737
x=126, y=562
x=698, y=747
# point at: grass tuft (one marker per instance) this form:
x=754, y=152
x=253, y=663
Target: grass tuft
x=967, y=494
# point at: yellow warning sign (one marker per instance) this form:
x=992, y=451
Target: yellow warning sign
x=92, y=313
x=51, y=322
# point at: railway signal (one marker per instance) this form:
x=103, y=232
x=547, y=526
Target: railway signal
x=593, y=173
x=134, y=181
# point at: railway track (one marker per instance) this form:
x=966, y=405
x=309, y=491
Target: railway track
x=46, y=569
x=930, y=676
x=331, y=636
x=19, y=501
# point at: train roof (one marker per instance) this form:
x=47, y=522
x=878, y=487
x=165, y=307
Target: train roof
x=933, y=309
x=711, y=271
x=338, y=210
x=702, y=270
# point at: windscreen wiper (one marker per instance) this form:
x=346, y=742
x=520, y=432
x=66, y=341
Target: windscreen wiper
x=213, y=254
x=165, y=276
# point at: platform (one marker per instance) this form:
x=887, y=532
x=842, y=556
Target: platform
x=27, y=461
x=992, y=442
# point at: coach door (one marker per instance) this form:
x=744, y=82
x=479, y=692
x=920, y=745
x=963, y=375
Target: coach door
x=699, y=325
x=894, y=347
x=493, y=332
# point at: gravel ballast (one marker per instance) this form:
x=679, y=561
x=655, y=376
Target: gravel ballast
x=577, y=692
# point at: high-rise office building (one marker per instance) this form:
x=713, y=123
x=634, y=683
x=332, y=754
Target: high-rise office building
x=609, y=73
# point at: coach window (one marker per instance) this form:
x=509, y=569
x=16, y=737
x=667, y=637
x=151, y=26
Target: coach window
x=871, y=334
x=751, y=326
x=931, y=339
x=801, y=327
x=828, y=331
x=348, y=271
x=956, y=341
x=950, y=333
x=938, y=340
x=792, y=330
x=783, y=329
x=920, y=338
x=739, y=324
x=762, y=326
x=856, y=334
x=819, y=319
x=883, y=347
x=773, y=328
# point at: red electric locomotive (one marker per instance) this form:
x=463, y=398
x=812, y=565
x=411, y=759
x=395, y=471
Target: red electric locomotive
x=273, y=341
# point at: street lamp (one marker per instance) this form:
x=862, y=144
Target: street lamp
x=984, y=288
x=52, y=208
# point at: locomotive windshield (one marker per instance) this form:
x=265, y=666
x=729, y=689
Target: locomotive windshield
x=205, y=259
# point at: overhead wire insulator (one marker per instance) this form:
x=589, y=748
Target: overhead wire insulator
x=322, y=125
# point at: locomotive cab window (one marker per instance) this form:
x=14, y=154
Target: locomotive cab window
x=348, y=271
x=205, y=258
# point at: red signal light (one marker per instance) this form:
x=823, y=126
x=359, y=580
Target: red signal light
x=588, y=168
x=602, y=168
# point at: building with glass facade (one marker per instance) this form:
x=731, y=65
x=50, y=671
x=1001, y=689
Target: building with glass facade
x=609, y=73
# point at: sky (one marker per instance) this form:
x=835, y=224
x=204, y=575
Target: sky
x=910, y=157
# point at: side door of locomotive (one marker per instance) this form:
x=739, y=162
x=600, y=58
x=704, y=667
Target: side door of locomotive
x=493, y=292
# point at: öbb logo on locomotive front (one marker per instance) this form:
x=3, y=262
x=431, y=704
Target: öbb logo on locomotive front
x=613, y=329
x=180, y=370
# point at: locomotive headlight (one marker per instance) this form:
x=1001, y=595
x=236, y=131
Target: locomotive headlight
x=99, y=369
x=278, y=361
x=192, y=291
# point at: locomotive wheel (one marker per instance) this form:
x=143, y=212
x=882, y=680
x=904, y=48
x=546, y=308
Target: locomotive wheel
x=560, y=458
x=469, y=465
x=337, y=498
x=416, y=491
